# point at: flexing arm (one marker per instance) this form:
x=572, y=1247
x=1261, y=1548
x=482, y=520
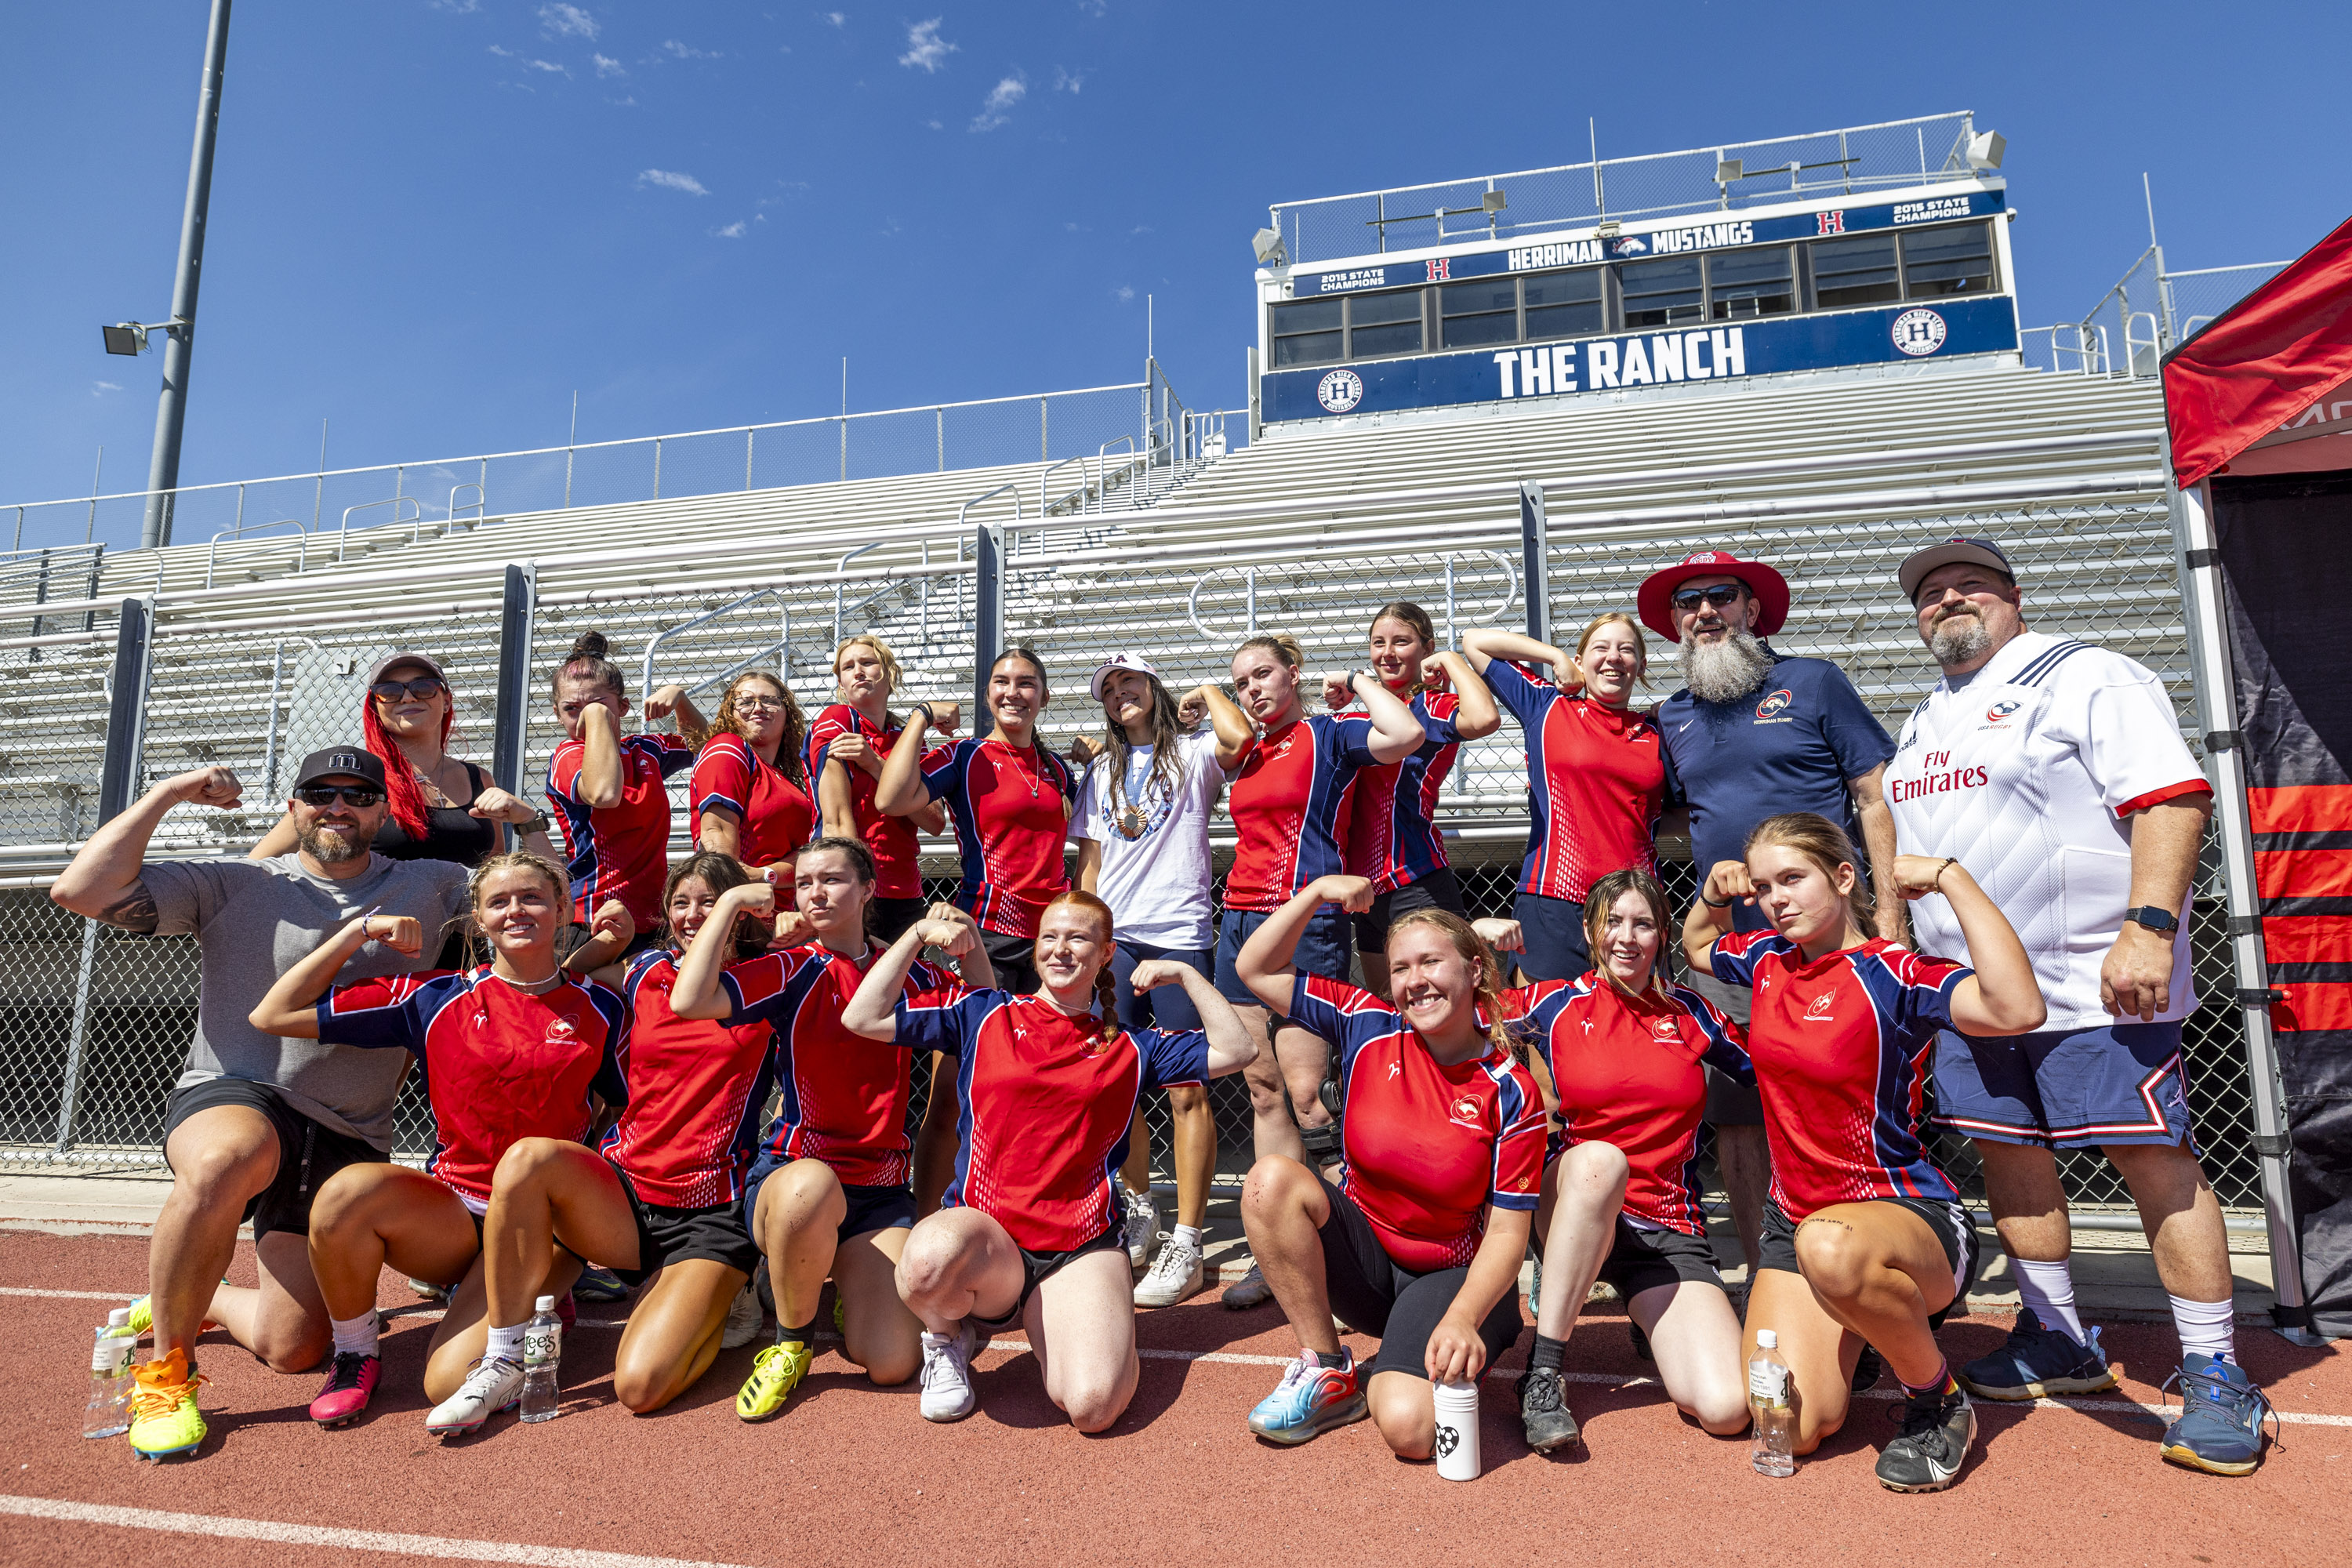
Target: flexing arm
x=1477, y=717
x=835, y=798
x=873, y=1012
x=1263, y=962
x=1456, y=1353
x=291, y=1006
x=722, y=832
x=608, y=935
x=1232, y=726
x=1396, y=734
x=599, y=784
x=1878, y=843
x=2135, y=977
x=696, y=993
x=670, y=702
x=1727, y=883
x=900, y=791
x=1482, y=646
x=277, y=841
x=102, y=881
x=2001, y=997
x=1231, y=1048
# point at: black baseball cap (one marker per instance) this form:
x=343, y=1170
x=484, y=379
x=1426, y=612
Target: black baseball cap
x=341, y=761
x=1960, y=547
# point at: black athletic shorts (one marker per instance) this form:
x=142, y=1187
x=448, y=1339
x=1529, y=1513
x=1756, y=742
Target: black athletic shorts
x=1373, y=1294
x=1015, y=959
x=666, y=1235
x=1553, y=932
x=1036, y=1268
x=1438, y=890
x=1642, y=1260
x=876, y=1208
x=308, y=1154
x=1955, y=1230
x=888, y=919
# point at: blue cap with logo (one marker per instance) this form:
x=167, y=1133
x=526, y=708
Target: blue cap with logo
x=1960, y=547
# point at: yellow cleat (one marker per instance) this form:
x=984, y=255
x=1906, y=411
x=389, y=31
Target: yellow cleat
x=775, y=1373
x=143, y=1316
x=164, y=1421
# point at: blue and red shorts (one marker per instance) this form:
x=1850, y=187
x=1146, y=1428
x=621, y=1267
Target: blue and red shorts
x=2066, y=1088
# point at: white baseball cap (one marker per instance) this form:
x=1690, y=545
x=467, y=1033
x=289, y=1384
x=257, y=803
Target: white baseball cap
x=1119, y=660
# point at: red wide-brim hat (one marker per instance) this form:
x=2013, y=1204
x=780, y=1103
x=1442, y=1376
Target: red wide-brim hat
x=1656, y=601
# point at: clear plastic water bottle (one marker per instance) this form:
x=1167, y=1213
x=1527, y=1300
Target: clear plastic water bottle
x=1772, y=1402
x=110, y=1380
x=542, y=1354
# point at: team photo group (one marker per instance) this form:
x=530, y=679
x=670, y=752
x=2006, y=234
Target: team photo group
x=689, y=1082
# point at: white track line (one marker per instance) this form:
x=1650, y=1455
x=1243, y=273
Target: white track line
x=347, y=1540
x=71, y=1295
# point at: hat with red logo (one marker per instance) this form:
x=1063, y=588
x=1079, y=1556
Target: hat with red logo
x=1960, y=547
x=1655, y=600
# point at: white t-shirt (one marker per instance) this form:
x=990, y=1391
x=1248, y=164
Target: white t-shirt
x=2024, y=773
x=1155, y=846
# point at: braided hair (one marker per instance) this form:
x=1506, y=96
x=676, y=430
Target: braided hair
x=1106, y=992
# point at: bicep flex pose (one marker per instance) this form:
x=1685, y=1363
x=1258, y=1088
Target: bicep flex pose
x=847, y=746
x=751, y=795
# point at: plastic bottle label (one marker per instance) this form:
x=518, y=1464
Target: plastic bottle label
x=542, y=1344
x=1768, y=1384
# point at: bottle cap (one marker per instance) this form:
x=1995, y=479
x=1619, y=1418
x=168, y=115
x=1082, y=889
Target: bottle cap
x=118, y=1319
x=1766, y=1340
x=546, y=1304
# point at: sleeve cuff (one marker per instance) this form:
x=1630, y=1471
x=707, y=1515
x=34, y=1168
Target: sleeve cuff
x=2158, y=797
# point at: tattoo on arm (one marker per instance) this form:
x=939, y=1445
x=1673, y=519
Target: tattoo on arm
x=135, y=910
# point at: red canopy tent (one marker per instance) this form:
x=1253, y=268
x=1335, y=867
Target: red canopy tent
x=2259, y=405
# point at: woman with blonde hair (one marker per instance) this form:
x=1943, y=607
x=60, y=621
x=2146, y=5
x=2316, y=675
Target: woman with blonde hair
x=848, y=744
x=750, y=795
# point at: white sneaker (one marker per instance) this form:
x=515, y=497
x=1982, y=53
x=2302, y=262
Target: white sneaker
x=744, y=1319
x=1176, y=1273
x=493, y=1383
x=947, y=1374
x=1142, y=1225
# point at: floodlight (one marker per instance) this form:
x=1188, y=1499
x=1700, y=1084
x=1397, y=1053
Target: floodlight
x=1729, y=168
x=1268, y=242
x=1493, y=202
x=1985, y=149
x=125, y=338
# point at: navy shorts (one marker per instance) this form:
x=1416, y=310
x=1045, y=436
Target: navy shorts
x=1641, y=1258
x=1956, y=1232
x=1036, y=1268
x=870, y=1208
x=2066, y=1088
x=1438, y=890
x=1168, y=1007
x=1553, y=929
x=1322, y=949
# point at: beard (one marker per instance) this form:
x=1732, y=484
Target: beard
x=334, y=849
x=1725, y=671
x=1958, y=639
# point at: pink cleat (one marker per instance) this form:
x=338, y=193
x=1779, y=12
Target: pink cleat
x=350, y=1383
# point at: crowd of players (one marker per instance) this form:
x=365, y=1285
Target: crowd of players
x=699, y=1075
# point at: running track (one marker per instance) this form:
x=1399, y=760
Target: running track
x=851, y=1475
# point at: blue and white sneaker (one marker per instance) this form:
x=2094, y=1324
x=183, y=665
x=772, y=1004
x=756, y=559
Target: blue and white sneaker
x=2038, y=1362
x=2221, y=1416
x=1310, y=1400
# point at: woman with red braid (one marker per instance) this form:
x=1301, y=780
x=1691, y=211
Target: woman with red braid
x=751, y=796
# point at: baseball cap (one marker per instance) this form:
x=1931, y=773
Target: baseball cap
x=1119, y=660
x=1655, y=600
x=340, y=762
x=391, y=660
x=1960, y=547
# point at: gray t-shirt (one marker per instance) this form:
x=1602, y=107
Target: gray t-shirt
x=254, y=919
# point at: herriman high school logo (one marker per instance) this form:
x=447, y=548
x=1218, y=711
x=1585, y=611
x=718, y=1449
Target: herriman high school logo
x=1918, y=332
x=1339, y=391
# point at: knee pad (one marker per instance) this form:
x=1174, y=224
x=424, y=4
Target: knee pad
x=1322, y=1142
x=1329, y=1095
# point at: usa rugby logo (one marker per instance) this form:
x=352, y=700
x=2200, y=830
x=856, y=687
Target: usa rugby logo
x=1339, y=391
x=1918, y=332
x=1465, y=1108
x=2001, y=710
x=1774, y=703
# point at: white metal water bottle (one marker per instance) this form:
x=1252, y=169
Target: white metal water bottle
x=1457, y=1430
x=110, y=1379
x=1772, y=1402
x=542, y=1352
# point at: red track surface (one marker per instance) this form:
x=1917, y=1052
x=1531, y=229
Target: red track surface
x=851, y=1474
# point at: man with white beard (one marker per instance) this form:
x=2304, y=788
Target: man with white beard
x=1753, y=734
x=2054, y=772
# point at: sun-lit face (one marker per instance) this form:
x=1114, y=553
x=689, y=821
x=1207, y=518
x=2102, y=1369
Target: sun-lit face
x=1612, y=662
x=1072, y=948
x=519, y=911
x=1708, y=622
x=1629, y=939
x=575, y=694
x=1804, y=903
x=408, y=717
x=759, y=710
x=690, y=903
x=1016, y=695
x=858, y=673
x=1267, y=688
x=1429, y=982
x=828, y=890
x=1952, y=596
x=1397, y=652
x=1126, y=698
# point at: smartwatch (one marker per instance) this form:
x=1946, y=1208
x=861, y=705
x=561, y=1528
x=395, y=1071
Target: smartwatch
x=2164, y=922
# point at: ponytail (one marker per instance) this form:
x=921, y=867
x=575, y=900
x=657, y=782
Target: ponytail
x=1824, y=843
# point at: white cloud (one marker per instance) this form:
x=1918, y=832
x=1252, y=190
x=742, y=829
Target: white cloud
x=461, y=6
x=562, y=21
x=1094, y=7
x=1001, y=98
x=735, y=230
x=935, y=125
x=678, y=51
x=669, y=180
x=607, y=65
x=528, y=63
x=925, y=48
x=100, y=388
x=1066, y=81
x=835, y=18
x=1122, y=293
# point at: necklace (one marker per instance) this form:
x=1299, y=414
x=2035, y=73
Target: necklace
x=1034, y=773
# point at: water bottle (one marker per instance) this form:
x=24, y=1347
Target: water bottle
x=1772, y=1402
x=110, y=1379
x=542, y=1352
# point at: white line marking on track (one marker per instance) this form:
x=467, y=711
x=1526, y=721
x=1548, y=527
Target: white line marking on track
x=71, y=1295
x=348, y=1539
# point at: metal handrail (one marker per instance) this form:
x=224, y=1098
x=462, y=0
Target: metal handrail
x=1044, y=506
x=1102, y=469
x=666, y=633
x=842, y=565
x=1510, y=570
x=1013, y=486
x=2153, y=342
x=1193, y=599
x=480, y=503
x=416, y=533
x=237, y=530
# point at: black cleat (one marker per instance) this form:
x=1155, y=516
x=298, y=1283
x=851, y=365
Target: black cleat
x=1926, y=1458
x=1543, y=1410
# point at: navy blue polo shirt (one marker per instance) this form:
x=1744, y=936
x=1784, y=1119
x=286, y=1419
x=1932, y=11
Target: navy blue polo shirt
x=1790, y=745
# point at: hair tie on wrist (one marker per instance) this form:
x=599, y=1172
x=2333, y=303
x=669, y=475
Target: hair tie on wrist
x=1710, y=903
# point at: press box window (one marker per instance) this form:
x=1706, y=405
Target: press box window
x=1955, y=261
x=1745, y=284
x=1664, y=293
x=1487, y=312
x=1306, y=332
x=1384, y=323
x=1857, y=272
x=1564, y=304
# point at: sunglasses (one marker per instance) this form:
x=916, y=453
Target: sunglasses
x=324, y=796
x=1719, y=595
x=420, y=686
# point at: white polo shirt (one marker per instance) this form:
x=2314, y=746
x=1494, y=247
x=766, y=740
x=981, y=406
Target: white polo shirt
x=2024, y=773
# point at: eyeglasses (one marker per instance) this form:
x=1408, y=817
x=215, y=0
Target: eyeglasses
x=323, y=795
x=1722, y=594
x=760, y=704
x=421, y=686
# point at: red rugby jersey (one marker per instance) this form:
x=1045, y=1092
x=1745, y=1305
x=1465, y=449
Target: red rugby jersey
x=1044, y=1104
x=1627, y=1071
x=1393, y=835
x=1597, y=781
x=1427, y=1147
x=695, y=1089
x=845, y=1096
x=776, y=814
x=1841, y=1049
x=619, y=851
x=497, y=1064
x=1288, y=801
x=891, y=840
x=1011, y=822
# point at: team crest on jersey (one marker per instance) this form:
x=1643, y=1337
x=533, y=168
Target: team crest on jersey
x=1819, y=1011
x=1465, y=1108
x=562, y=1031
x=2002, y=709
x=1773, y=704
x=1339, y=391
x=1665, y=1030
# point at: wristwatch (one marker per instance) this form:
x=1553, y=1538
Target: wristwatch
x=2164, y=922
x=539, y=822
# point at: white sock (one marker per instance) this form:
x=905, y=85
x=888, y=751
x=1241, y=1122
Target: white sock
x=355, y=1336
x=2208, y=1328
x=1187, y=1235
x=2048, y=1289
x=506, y=1343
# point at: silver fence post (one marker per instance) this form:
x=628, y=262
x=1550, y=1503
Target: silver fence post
x=845, y=446
x=269, y=747
x=987, y=616
x=657, y=467
x=513, y=701
x=938, y=416
x=1535, y=568
x=1044, y=447
x=747, y=457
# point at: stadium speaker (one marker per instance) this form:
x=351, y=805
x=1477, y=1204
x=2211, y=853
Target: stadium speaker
x=1267, y=243
x=1985, y=149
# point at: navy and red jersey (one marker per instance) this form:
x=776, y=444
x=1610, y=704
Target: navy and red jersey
x=619, y=851
x=1626, y=1071
x=1597, y=782
x=1391, y=820
x=499, y=1065
x=1427, y=1146
x=845, y=1096
x=695, y=1089
x=889, y=839
x=774, y=813
x=1043, y=1103
x=1289, y=803
x=1012, y=819
x=1840, y=1049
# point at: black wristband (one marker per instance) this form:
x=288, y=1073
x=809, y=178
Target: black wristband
x=925, y=709
x=1710, y=903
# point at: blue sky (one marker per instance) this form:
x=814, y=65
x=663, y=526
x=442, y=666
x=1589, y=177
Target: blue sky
x=434, y=220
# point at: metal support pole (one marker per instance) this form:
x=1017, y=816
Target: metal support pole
x=269, y=746
x=747, y=457
x=513, y=710
x=939, y=419
x=77, y=1036
x=1044, y=447
x=1535, y=565
x=657, y=467
x=2193, y=543
x=126, y=713
x=171, y=409
x=987, y=616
